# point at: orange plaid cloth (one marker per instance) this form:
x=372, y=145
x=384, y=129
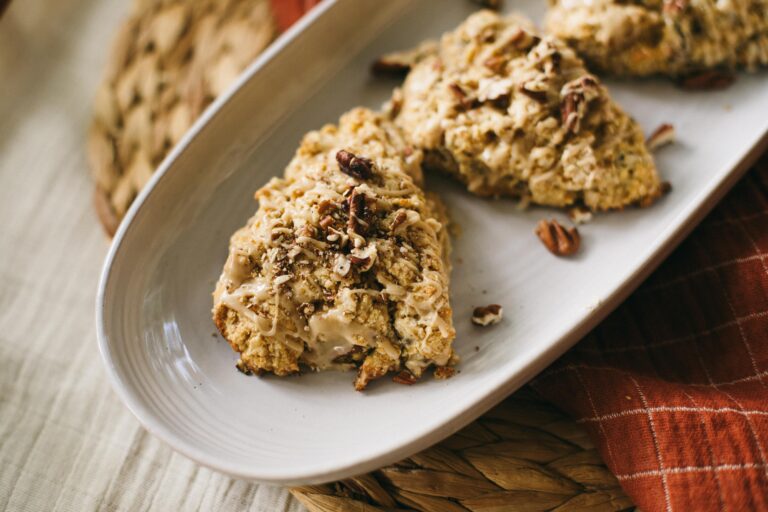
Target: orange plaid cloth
x=288, y=11
x=673, y=386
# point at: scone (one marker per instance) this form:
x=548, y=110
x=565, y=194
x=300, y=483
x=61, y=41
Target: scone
x=512, y=113
x=344, y=264
x=670, y=37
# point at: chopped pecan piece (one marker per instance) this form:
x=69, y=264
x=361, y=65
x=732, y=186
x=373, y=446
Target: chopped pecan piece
x=576, y=97
x=444, y=372
x=539, y=96
x=400, y=217
x=522, y=40
x=487, y=315
x=663, y=135
x=497, y=63
x=464, y=101
x=359, y=213
x=359, y=261
x=325, y=206
x=559, y=240
x=326, y=222
x=405, y=377
x=569, y=111
x=353, y=165
x=712, y=80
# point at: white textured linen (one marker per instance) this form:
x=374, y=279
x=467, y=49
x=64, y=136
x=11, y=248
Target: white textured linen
x=66, y=441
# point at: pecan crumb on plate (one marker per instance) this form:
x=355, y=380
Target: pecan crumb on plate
x=662, y=136
x=579, y=215
x=559, y=240
x=487, y=315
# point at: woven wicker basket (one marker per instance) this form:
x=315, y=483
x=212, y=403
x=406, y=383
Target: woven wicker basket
x=170, y=60
x=524, y=455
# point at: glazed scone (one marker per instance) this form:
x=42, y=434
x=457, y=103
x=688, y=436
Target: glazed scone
x=344, y=265
x=670, y=37
x=511, y=113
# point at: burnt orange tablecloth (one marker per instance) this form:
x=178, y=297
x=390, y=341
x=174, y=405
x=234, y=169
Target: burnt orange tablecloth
x=673, y=386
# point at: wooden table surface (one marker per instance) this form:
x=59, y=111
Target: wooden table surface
x=66, y=441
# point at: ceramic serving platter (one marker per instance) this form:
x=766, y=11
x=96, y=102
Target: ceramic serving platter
x=153, y=309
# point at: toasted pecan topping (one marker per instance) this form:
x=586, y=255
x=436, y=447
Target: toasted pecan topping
x=540, y=96
x=400, y=217
x=497, y=63
x=359, y=213
x=575, y=100
x=353, y=165
x=359, y=261
x=325, y=206
x=464, y=102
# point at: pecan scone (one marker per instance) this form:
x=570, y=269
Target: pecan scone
x=344, y=264
x=670, y=37
x=513, y=113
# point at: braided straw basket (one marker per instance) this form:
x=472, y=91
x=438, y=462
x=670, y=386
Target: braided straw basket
x=170, y=59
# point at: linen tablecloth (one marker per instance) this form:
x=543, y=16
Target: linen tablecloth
x=66, y=441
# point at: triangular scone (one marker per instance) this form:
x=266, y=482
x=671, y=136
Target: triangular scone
x=670, y=37
x=512, y=113
x=344, y=264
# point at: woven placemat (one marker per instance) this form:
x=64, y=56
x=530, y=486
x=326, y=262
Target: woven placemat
x=524, y=456
x=170, y=59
